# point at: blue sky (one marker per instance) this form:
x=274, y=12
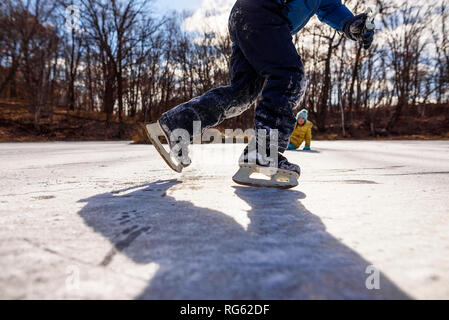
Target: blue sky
x=167, y=5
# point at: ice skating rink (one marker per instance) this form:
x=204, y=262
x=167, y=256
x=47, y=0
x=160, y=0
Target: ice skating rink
x=369, y=220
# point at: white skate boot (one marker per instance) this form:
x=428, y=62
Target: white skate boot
x=283, y=174
x=177, y=158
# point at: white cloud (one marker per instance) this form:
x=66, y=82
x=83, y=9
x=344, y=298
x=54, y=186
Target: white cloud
x=212, y=16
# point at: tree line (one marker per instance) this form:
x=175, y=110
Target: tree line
x=123, y=59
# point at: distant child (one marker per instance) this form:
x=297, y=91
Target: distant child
x=302, y=132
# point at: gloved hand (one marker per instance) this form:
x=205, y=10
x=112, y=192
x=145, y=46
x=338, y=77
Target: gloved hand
x=291, y=146
x=355, y=29
x=306, y=148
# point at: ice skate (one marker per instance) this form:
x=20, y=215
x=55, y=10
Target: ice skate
x=283, y=175
x=175, y=158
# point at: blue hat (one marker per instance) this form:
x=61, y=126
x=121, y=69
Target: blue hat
x=302, y=114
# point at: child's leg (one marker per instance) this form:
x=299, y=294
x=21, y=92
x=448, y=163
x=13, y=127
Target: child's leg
x=264, y=37
x=218, y=104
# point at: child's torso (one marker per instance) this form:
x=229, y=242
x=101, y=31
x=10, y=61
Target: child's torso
x=299, y=133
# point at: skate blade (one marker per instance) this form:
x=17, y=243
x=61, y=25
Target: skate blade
x=155, y=131
x=279, y=178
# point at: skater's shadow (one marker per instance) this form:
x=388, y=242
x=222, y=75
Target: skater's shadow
x=284, y=253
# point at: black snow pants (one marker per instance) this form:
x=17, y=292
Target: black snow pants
x=264, y=62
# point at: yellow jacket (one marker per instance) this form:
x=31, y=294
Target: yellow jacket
x=302, y=133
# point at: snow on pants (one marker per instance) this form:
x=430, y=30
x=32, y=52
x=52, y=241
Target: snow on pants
x=264, y=62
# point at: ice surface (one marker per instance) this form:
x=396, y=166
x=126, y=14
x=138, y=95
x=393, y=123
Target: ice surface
x=111, y=220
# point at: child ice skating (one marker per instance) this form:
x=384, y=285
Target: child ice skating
x=302, y=132
x=264, y=63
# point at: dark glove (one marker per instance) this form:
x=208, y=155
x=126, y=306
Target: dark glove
x=355, y=29
x=307, y=148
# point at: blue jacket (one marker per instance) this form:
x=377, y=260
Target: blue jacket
x=332, y=12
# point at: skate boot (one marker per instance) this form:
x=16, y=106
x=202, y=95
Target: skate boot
x=281, y=173
x=177, y=158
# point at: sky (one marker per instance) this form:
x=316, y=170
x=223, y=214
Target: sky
x=212, y=15
x=207, y=15
x=168, y=5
